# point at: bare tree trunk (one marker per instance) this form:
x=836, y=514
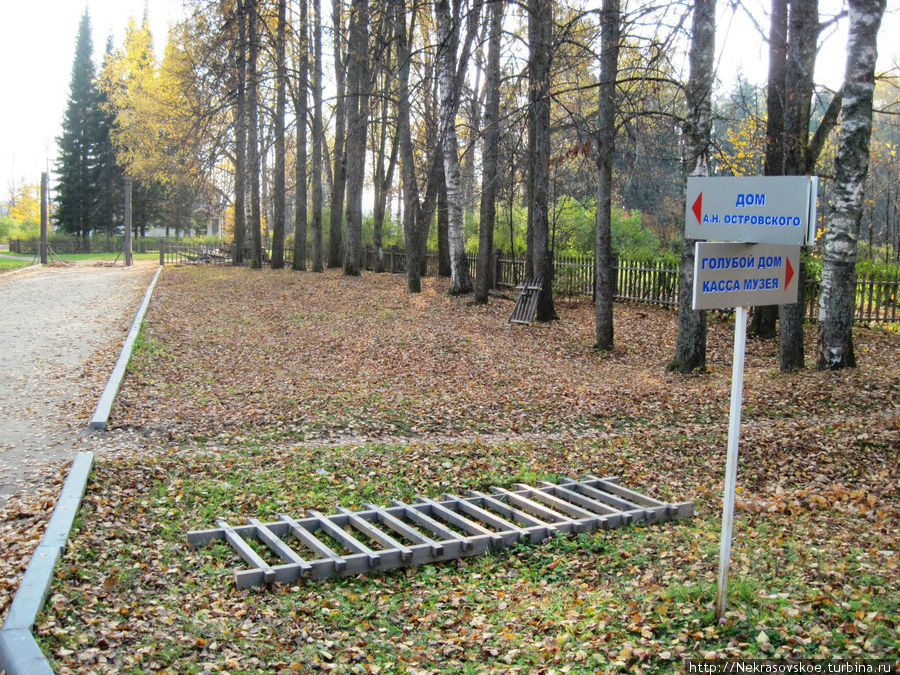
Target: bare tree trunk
x=837, y=298
x=335, y=234
x=279, y=195
x=801, y=62
x=763, y=319
x=484, y=280
x=318, y=258
x=253, y=134
x=690, y=343
x=384, y=175
x=443, y=225
x=606, y=136
x=357, y=118
x=300, y=210
x=448, y=41
x=407, y=160
x=240, y=140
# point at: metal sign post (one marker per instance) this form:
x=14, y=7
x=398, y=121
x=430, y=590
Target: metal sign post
x=734, y=434
x=765, y=220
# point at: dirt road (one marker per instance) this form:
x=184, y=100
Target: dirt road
x=54, y=322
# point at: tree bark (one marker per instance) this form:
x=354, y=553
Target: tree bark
x=606, y=136
x=407, y=160
x=540, y=35
x=484, y=280
x=690, y=342
x=300, y=210
x=318, y=258
x=803, y=29
x=357, y=119
x=763, y=319
x=338, y=185
x=443, y=225
x=279, y=194
x=837, y=296
x=240, y=140
x=448, y=43
x=253, y=134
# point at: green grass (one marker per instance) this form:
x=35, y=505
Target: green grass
x=7, y=265
x=610, y=600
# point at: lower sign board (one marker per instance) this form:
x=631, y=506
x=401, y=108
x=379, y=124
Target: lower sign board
x=730, y=275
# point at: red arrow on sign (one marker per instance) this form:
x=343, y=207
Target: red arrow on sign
x=697, y=208
x=788, y=273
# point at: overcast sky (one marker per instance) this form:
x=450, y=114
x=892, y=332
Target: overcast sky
x=37, y=47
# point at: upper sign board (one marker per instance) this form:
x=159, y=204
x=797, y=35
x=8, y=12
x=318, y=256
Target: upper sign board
x=732, y=274
x=754, y=209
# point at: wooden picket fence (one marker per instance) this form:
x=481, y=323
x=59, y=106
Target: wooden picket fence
x=655, y=283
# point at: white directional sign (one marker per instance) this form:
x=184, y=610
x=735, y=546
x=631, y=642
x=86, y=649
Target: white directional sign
x=730, y=275
x=761, y=209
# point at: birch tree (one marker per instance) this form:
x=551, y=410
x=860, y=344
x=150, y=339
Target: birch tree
x=448, y=44
x=253, y=132
x=338, y=183
x=837, y=295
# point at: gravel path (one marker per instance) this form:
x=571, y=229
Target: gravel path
x=56, y=323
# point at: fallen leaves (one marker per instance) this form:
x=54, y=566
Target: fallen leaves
x=350, y=391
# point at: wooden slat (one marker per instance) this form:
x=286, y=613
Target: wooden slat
x=461, y=522
x=535, y=507
x=581, y=500
x=376, y=534
x=556, y=503
x=346, y=539
x=433, y=525
x=243, y=549
x=309, y=539
x=405, y=530
x=284, y=551
x=486, y=516
x=512, y=512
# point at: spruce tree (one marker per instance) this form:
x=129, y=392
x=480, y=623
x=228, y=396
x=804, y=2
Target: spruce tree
x=108, y=178
x=76, y=191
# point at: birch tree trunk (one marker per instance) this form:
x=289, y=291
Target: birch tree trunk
x=240, y=137
x=484, y=280
x=318, y=258
x=540, y=38
x=278, y=189
x=253, y=133
x=448, y=41
x=338, y=183
x=357, y=119
x=606, y=136
x=300, y=209
x=690, y=342
x=837, y=295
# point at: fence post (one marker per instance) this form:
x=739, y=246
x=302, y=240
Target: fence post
x=128, y=257
x=614, y=273
x=495, y=277
x=44, y=217
x=162, y=252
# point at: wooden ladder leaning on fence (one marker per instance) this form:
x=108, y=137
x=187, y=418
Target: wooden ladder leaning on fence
x=527, y=302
